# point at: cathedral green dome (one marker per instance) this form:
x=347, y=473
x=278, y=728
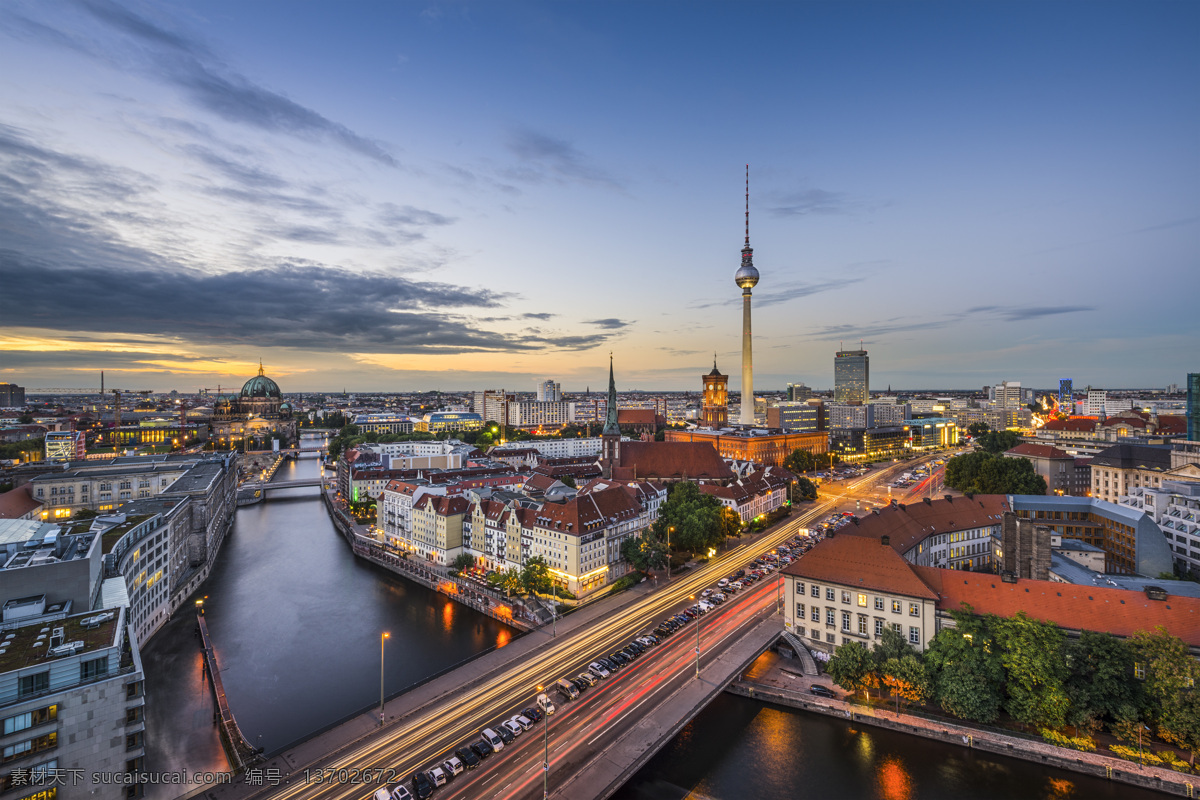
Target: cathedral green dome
x=261, y=386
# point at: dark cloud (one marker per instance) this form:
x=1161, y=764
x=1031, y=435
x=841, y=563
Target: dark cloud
x=809, y=201
x=611, y=323
x=545, y=157
x=542, y=315
x=1034, y=312
x=189, y=66
x=856, y=332
x=1174, y=223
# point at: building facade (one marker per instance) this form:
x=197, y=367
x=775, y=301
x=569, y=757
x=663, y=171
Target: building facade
x=254, y=417
x=1065, y=474
x=1193, y=406
x=766, y=447
x=851, y=376
x=714, y=408
x=794, y=416
x=65, y=446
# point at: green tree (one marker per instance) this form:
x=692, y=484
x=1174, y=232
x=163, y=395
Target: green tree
x=1031, y=652
x=803, y=490
x=645, y=552
x=986, y=473
x=694, y=517
x=965, y=670
x=463, y=561
x=891, y=645
x=800, y=460
x=906, y=679
x=1100, y=682
x=852, y=668
x=730, y=522
x=977, y=429
x=508, y=581
x=1171, y=677
x=567, y=480
x=535, y=575
x=999, y=441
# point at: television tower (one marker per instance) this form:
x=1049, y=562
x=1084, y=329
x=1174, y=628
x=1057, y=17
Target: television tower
x=746, y=277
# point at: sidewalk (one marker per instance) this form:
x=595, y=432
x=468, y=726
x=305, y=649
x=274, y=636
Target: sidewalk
x=779, y=680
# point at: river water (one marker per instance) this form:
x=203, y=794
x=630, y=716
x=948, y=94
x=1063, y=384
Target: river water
x=296, y=620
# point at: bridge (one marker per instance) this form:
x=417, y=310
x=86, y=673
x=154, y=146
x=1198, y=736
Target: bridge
x=592, y=745
x=252, y=492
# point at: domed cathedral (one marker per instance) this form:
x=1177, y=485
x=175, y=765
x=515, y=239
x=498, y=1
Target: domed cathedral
x=254, y=416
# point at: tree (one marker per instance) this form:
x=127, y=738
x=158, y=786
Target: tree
x=1171, y=676
x=977, y=429
x=695, y=518
x=800, y=460
x=891, y=645
x=509, y=580
x=986, y=473
x=1031, y=652
x=730, y=521
x=852, y=668
x=463, y=561
x=965, y=669
x=645, y=552
x=999, y=441
x=1100, y=682
x=567, y=480
x=906, y=679
x=803, y=490
x=535, y=575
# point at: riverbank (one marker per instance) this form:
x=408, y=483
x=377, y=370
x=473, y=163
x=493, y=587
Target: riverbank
x=770, y=680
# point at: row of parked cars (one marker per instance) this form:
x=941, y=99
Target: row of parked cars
x=495, y=737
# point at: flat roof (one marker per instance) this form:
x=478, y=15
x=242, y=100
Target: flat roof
x=27, y=646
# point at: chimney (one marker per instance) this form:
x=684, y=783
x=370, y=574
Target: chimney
x=928, y=502
x=1156, y=593
x=1008, y=577
x=885, y=540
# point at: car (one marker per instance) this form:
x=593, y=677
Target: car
x=504, y=733
x=422, y=786
x=493, y=738
x=438, y=776
x=397, y=792
x=532, y=714
x=638, y=646
x=569, y=690
x=609, y=664
x=599, y=670
x=619, y=658
x=740, y=573
x=723, y=583
x=662, y=632
x=453, y=766
x=526, y=722
x=588, y=678
x=648, y=641
x=822, y=691
x=706, y=592
x=513, y=727
x=545, y=704
x=482, y=749
x=580, y=685
x=468, y=757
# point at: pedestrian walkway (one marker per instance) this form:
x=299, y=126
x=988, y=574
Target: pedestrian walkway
x=807, y=665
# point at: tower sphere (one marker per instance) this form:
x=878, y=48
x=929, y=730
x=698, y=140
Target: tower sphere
x=746, y=277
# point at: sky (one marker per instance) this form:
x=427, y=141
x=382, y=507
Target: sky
x=402, y=196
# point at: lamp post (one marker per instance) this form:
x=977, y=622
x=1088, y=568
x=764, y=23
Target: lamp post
x=382, y=638
x=669, y=529
x=545, y=751
x=693, y=597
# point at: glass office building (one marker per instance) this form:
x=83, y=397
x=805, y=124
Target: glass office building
x=851, y=377
x=1193, y=406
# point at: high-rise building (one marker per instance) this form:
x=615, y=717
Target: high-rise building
x=492, y=405
x=746, y=278
x=851, y=377
x=1066, y=396
x=798, y=392
x=549, y=391
x=11, y=395
x=714, y=412
x=1096, y=403
x=1193, y=406
x=1007, y=393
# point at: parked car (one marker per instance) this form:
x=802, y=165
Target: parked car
x=723, y=582
x=821, y=691
x=438, y=776
x=522, y=719
x=422, y=786
x=482, y=749
x=599, y=670
x=581, y=686
x=453, y=766
x=468, y=757
x=493, y=738
x=609, y=664
x=567, y=688
x=588, y=678
x=513, y=727
x=397, y=792
x=506, y=736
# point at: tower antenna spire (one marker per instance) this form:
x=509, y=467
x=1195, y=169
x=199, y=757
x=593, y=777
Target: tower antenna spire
x=747, y=204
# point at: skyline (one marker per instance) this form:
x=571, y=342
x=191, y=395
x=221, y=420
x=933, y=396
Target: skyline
x=452, y=195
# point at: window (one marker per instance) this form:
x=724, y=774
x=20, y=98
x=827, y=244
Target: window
x=816, y=634
x=34, y=684
x=799, y=587
x=829, y=595
x=895, y=606
x=816, y=614
x=29, y=746
x=879, y=604
x=30, y=719
x=862, y=624
x=816, y=591
x=829, y=617
x=845, y=620
x=862, y=601
x=829, y=637
x=1139, y=670
x=90, y=670
x=914, y=635
x=896, y=627
x=846, y=598
x=914, y=610
x=800, y=610
x=878, y=627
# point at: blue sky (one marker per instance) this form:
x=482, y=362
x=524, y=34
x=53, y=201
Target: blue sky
x=406, y=196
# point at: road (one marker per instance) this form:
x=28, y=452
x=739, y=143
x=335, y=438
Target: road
x=585, y=726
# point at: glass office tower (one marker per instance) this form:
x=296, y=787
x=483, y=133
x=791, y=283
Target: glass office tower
x=851, y=377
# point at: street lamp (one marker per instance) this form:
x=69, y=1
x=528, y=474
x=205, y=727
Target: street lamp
x=693, y=597
x=545, y=750
x=669, y=529
x=382, y=638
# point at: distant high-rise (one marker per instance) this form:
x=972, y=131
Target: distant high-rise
x=1097, y=400
x=1007, y=393
x=798, y=392
x=851, y=377
x=714, y=411
x=1066, y=396
x=747, y=277
x=11, y=395
x=548, y=391
x=1193, y=406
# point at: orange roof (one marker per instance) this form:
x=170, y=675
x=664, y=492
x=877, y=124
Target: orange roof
x=860, y=562
x=1120, y=612
x=1037, y=451
x=17, y=502
x=909, y=525
x=1072, y=424
x=636, y=416
x=670, y=460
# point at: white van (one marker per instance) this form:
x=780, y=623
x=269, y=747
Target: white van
x=545, y=704
x=492, y=738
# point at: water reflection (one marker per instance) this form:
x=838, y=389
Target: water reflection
x=893, y=779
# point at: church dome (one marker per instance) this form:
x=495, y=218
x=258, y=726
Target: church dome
x=261, y=386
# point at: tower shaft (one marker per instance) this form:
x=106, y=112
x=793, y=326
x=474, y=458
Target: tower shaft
x=747, y=414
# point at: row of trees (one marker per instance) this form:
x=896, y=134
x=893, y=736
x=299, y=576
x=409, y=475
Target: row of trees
x=533, y=577
x=693, y=521
x=982, y=472
x=1030, y=670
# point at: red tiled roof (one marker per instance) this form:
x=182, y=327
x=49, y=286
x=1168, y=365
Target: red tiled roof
x=443, y=505
x=861, y=562
x=539, y=482
x=588, y=512
x=1120, y=612
x=636, y=416
x=1173, y=423
x=670, y=461
x=1072, y=424
x=1037, y=451
x=16, y=503
x=909, y=526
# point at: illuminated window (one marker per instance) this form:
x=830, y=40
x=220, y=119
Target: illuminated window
x=1139, y=670
x=914, y=610
x=895, y=606
x=846, y=597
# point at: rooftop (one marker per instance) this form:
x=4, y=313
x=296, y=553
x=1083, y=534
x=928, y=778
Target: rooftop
x=860, y=562
x=30, y=645
x=907, y=525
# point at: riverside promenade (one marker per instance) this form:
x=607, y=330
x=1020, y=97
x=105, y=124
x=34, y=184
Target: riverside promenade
x=775, y=679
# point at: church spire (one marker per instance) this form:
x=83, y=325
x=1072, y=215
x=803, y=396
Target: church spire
x=260, y=368
x=611, y=428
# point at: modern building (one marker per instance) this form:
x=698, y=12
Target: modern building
x=1066, y=396
x=438, y=421
x=1193, y=406
x=1175, y=508
x=12, y=396
x=549, y=391
x=869, y=444
x=1096, y=404
x=798, y=392
x=747, y=278
x=931, y=433
x=65, y=446
x=536, y=414
x=851, y=376
x=1007, y=394
x=384, y=423
x=554, y=448
x=492, y=405
x=714, y=408
x=794, y=416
